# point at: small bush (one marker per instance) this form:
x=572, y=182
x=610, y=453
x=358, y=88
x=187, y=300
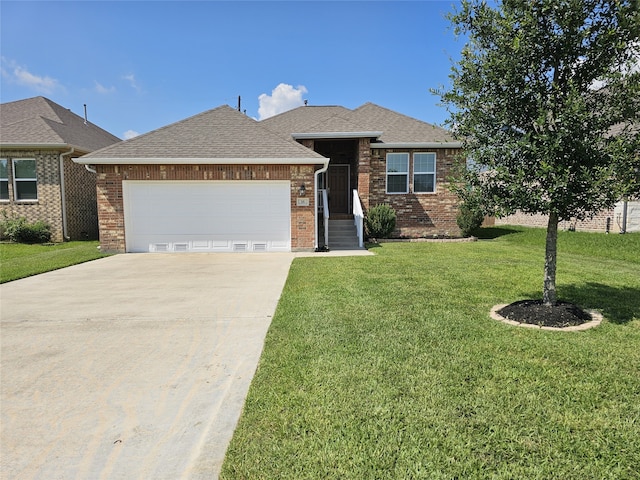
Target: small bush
x=469, y=218
x=18, y=230
x=380, y=221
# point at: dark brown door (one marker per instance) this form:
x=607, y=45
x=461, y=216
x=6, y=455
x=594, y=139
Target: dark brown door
x=338, y=185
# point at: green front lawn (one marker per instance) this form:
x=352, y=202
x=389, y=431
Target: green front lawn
x=18, y=260
x=390, y=367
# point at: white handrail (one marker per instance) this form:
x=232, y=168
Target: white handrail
x=325, y=216
x=358, y=218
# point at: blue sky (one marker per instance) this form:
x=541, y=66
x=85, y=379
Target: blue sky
x=140, y=65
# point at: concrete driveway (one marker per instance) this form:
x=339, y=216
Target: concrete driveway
x=133, y=366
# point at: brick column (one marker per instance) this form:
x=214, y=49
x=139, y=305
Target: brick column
x=364, y=171
x=110, y=209
x=302, y=216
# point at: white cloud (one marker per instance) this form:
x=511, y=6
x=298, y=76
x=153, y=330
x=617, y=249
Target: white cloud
x=129, y=134
x=102, y=89
x=20, y=75
x=131, y=78
x=284, y=97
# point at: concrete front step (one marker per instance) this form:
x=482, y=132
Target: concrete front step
x=343, y=234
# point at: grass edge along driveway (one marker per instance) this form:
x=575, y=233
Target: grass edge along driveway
x=18, y=260
x=390, y=367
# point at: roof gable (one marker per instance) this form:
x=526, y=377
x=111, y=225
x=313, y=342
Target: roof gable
x=366, y=119
x=220, y=133
x=301, y=119
x=39, y=121
x=396, y=127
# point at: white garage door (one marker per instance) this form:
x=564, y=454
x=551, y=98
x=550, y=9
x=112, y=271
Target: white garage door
x=215, y=216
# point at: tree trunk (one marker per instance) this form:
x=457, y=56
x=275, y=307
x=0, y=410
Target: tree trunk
x=551, y=252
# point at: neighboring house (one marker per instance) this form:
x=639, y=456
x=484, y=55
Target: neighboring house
x=623, y=217
x=614, y=220
x=38, y=179
x=221, y=181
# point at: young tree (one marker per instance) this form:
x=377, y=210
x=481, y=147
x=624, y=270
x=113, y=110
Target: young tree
x=545, y=99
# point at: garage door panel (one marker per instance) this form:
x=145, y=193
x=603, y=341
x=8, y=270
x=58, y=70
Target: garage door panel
x=207, y=216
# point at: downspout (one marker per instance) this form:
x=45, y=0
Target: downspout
x=65, y=235
x=89, y=169
x=315, y=192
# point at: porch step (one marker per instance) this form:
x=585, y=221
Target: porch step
x=343, y=234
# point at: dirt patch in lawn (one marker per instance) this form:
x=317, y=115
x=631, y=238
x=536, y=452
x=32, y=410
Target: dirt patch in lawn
x=534, y=314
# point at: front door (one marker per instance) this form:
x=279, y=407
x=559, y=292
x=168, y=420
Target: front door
x=338, y=186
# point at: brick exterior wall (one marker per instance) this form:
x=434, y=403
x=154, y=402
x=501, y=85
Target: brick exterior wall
x=80, y=195
x=597, y=224
x=417, y=215
x=111, y=207
x=80, y=201
x=364, y=172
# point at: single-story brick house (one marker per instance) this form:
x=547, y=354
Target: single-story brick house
x=221, y=181
x=38, y=179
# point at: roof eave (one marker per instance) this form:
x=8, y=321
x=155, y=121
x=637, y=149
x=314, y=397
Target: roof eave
x=319, y=135
x=201, y=161
x=48, y=146
x=417, y=145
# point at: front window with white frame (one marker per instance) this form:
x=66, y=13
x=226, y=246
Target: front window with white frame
x=4, y=180
x=397, y=173
x=25, y=180
x=424, y=172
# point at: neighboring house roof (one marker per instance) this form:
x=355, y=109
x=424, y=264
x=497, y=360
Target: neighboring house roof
x=39, y=122
x=221, y=135
x=386, y=126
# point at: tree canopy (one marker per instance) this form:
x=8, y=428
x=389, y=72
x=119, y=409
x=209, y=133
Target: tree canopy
x=546, y=100
x=540, y=89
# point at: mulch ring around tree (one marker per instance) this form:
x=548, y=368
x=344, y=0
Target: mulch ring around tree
x=534, y=314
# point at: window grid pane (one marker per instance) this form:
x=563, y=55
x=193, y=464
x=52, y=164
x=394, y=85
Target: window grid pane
x=26, y=190
x=423, y=182
x=424, y=162
x=25, y=169
x=398, y=163
x=397, y=183
x=4, y=171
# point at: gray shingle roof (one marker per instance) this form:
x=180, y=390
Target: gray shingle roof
x=301, y=119
x=395, y=127
x=219, y=133
x=39, y=121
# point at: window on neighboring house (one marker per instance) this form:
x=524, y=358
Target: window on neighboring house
x=397, y=172
x=424, y=172
x=25, y=181
x=4, y=180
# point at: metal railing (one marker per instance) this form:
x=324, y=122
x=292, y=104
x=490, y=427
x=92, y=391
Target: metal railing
x=358, y=218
